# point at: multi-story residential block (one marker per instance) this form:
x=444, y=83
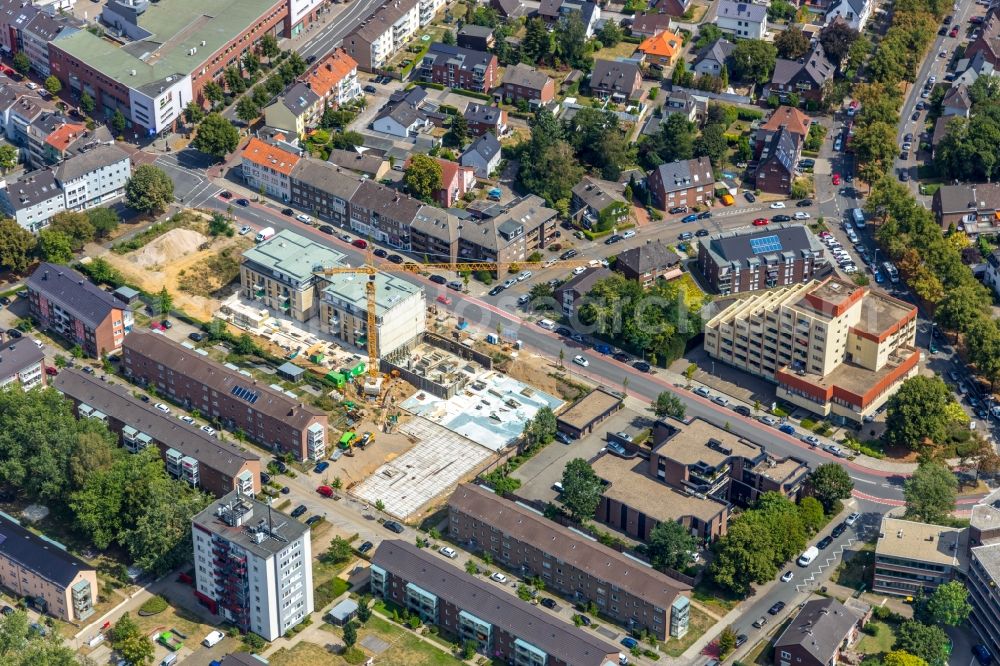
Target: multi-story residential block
x=48, y=136
x=22, y=363
x=970, y=208
x=524, y=82
x=323, y=189
x=987, y=45
x=832, y=347
x=65, y=302
x=914, y=558
x=253, y=565
x=371, y=164
x=983, y=583
x=214, y=465
x=296, y=109
x=776, y=163
x=267, y=168
x=400, y=309
x=279, y=274
x=264, y=414
x=855, y=13
x=470, y=609
x=750, y=259
x=42, y=29
x=623, y=588
x=482, y=156
x=33, y=199
x=808, y=78
x=456, y=180
x=334, y=78
x=383, y=214
x=648, y=263
x=165, y=55
x=43, y=571
x=617, y=79
x=821, y=631
x=458, y=67
x=384, y=33
x=682, y=183
x=482, y=119
x=744, y=20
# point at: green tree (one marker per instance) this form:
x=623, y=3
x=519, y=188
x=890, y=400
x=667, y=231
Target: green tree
x=708, y=34
x=811, y=514
x=902, y=658
x=712, y=144
x=350, y=634
x=193, y=113
x=55, y=246
x=234, y=80
x=753, y=60
x=670, y=545
x=792, y=43
x=8, y=157
x=423, y=176
x=53, y=85
x=22, y=63
x=780, y=10
x=875, y=148
x=727, y=642
x=118, y=122
x=610, y=34
x=830, y=483
x=668, y=404
x=962, y=307
x=247, y=109
x=75, y=225
x=20, y=645
x=917, y=412
x=581, y=489
x=930, y=493
x=219, y=225
x=87, y=104
x=132, y=644
x=103, y=220
x=216, y=136
x=269, y=46
x=164, y=302
x=149, y=190
x=948, y=605
x=458, y=135
x=542, y=428
x=836, y=39
x=537, y=45
x=339, y=550
x=926, y=642
x=984, y=349
x=16, y=246
x=213, y=92
x=364, y=610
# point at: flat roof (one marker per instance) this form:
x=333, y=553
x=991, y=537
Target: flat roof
x=880, y=313
x=176, y=27
x=349, y=288
x=630, y=485
x=910, y=540
x=263, y=530
x=293, y=255
x=589, y=407
x=988, y=555
x=986, y=513
x=694, y=442
x=487, y=602
x=853, y=378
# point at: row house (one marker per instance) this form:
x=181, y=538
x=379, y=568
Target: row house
x=267, y=168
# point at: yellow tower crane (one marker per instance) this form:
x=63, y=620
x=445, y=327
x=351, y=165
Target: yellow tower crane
x=371, y=269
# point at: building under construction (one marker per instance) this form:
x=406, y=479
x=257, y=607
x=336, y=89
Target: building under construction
x=253, y=565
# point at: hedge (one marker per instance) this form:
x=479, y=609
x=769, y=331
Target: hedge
x=472, y=93
x=429, y=84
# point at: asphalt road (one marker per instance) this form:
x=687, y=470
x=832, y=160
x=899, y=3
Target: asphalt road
x=331, y=35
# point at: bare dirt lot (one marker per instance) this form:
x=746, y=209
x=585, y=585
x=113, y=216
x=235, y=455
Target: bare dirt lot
x=546, y=375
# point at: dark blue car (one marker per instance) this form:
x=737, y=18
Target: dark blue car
x=983, y=654
x=689, y=218
x=787, y=429
x=629, y=642
x=321, y=467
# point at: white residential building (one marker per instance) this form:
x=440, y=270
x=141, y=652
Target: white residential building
x=21, y=362
x=386, y=31
x=854, y=12
x=253, y=565
x=94, y=177
x=400, y=311
x=743, y=19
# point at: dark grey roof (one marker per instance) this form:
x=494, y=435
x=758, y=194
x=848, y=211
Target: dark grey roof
x=482, y=114
x=614, y=75
x=509, y=8
x=382, y=19
x=404, y=114
x=281, y=525
x=983, y=197
x=459, y=56
x=957, y=97
x=683, y=174
x=75, y=293
x=649, y=257
x=118, y=402
x=720, y=51
x=88, y=161
x=242, y=659
x=735, y=246
x=745, y=11
x=818, y=66
x=819, y=628
x=486, y=146
x=33, y=188
x=436, y=223
x=512, y=222
x=17, y=355
x=47, y=27
x=597, y=194
x=582, y=283
x=413, y=96
x=43, y=557
x=858, y=6
x=473, y=30
x=650, y=23
x=781, y=147
x=386, y=201
x=366, y=162
x=549, y=8
x=326, y=177
x=993, y=258
x=299, y=97
x=525, y=76
x=505, y=611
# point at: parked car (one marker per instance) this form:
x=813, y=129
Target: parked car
x=548, y=603
x=703, y=392
x=824, y=542
x=749, y=197
x=787, y=429
x=321, y=467
x=299, y=510
x=243, y=203
x=438, y=279
x=701, y=233
x=776, y=608
x=629, y=642
x=365, y=547
x=761, y=221
x=312, y=520
x=787, y=576
x=380, y=253
x=853, y=518
x=781, y=218
x=448, y=552
x=642, y=366
x=677, y=210
x=499, y=577
x=741, y=639
x=689, y=218
x=393, y=526
x=838, y=530
x=581, y=360
x=760, y=622
x=742, y=410
x=163, y=408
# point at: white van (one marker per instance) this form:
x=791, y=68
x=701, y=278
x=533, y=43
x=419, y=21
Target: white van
x=213, y=639
x=806, y=558
x=169, y=660
x=547, y=324
x=264, y=234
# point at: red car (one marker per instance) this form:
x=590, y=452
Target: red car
x=50, y=371
x=954, y=32
x=836, y=179
x=325, y=491
x=360, y=243
x=761, y=221
x=444, y=299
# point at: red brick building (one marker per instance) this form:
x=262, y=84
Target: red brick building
x=682, y=183
x=458, y=67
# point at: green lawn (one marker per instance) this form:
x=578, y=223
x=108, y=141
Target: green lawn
x=875, y=645
x=700, y=623
x=713, y=598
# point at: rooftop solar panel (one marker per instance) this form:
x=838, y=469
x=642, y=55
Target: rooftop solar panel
x=765, y=244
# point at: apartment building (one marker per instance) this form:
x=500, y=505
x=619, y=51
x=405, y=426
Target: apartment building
x=383, y=214
x=784, y=117
x=400, y=308
x=266, y=415
x=459, y=67
x=648, y=263
x=94, y=177
x=525, y=83
x=745, y=20
x=43, y=572
x=334, y=78
x=41, y=30
x=295, y=109
x=268, y=168
x=832, y=347
x=808, y=78
x=22, y=363
x=253, y=565
x=623, y=588
x=470, y=609
x=776, y=165
x=682, y=183
x=63, y=301
x=384, y=33
x=570, y=294
x=170, y=51
x=752, y=258
x=821, y=632
x=324, y=189
x=190, y=454
x=615, y=79
x=456, y=180
x=913, y=558
x=971, y=208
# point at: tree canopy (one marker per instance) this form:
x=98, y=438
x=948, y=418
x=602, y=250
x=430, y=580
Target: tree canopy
x=792, y=43
x=581, y=489
x=149, y=190
x=668, y=404
x=930, y=493
x=917, y=412
x=753, y=60
x=423, y=176
x=948, y=604
x=20, y=645
x=926, y=642
x=216, y=136
x=16, y=246
x=670, y=545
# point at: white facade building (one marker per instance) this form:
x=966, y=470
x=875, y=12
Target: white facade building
x=743, y=19
x=299, y=10
x=157, y=105
x=400, y=311
x=854, y=12
x=94, y=177
x=254, y=564
x=23, y=363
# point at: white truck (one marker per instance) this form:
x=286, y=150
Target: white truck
x=264, y=234
x=810, y=554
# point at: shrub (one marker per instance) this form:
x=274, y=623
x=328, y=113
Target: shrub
x=353, y=655
x=153, y=605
